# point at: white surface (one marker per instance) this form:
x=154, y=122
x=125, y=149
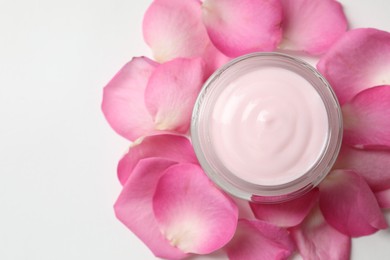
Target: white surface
x=58, y=156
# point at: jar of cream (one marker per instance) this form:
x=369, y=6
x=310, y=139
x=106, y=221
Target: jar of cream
x=266, y=127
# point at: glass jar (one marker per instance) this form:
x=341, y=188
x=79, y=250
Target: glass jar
x=215, y=102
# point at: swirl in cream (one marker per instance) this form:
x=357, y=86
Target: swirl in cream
x=269, y=126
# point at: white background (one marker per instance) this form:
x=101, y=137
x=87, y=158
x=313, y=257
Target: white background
x=58, y=156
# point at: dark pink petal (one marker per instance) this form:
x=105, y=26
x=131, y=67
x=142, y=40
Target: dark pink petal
x=372, y=165
x=255, y=239
x=349, y=205
x=359, y=60
x=191, y=212
x=134, y=207
x=286, y=214
x=367, y=118
x=171, y=93
x=312, y=26
x=383, y=198
x=173, y=147
x=240, y=27
x=123, y=99
x=316, y=239
x=174, y=28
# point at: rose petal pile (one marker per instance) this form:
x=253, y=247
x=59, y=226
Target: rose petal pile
x=168, y=201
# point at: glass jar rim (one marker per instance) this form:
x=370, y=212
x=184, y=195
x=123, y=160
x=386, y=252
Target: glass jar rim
x=267, y=193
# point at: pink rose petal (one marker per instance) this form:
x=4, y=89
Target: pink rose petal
x=312, y=26
x=134, y=207
x=367, y=118
x=244, y=209
x=213, y=59
x=383, y=198
x=123, y=99
x=349, y=205
x=255, y=239
x=172, y=91
x=359, y=60
x=174, y=28
x=316, y=239
x=372, y=165
x=191, y=212
x=240, y=27
x=286, y=214
x=173, y=147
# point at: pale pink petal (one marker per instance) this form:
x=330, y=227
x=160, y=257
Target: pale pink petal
x=316, y=239
x=174, y=28
x=240, y=27
x=123, y=99
x=255, y=239
x=244, y=209
x=213, y=59
x=372, y=165
x=191, y=212
x=286, y=214
x=383, y=198
x=349, y=205
x=172, y=147
x=359, y=60
x=367, y=118
x=171, y=93
x=312, y=26
x=134, y=207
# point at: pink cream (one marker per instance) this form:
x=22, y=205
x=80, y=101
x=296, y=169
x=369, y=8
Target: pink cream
x=269, y=126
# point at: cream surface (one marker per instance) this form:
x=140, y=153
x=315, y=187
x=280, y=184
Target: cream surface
x=269, y=126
